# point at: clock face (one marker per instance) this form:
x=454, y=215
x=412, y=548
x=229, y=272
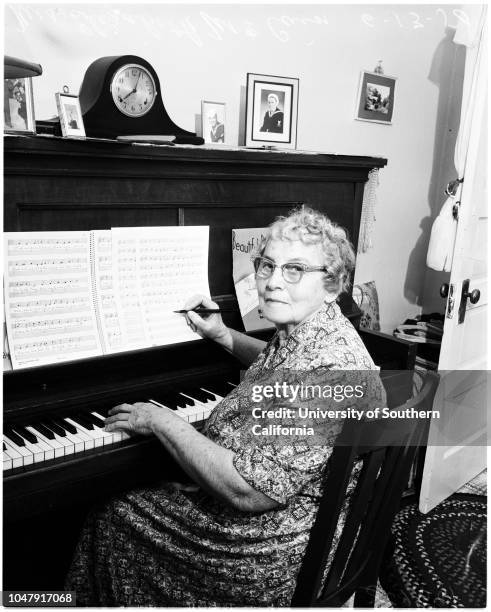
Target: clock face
x=133, y=90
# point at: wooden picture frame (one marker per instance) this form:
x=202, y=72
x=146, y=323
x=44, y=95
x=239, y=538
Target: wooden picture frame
x=271, y=111
x=70, y=114
x=375, y=101
x=18, y=110
x=213, y=126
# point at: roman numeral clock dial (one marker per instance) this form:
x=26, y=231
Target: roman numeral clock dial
x=133, y=90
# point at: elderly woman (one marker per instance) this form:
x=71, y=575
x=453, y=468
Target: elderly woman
x=238, y=536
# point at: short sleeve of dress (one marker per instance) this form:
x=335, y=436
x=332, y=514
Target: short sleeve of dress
x=282, y=471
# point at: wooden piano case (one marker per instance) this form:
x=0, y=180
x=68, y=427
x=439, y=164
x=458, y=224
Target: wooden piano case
x=60, y=184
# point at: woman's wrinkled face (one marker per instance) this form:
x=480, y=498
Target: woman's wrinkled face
x=288, y=304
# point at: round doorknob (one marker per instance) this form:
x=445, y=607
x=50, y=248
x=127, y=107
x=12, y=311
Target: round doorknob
x=474, y=296
x=444, y=290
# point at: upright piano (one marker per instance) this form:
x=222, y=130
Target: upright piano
x=67, y=463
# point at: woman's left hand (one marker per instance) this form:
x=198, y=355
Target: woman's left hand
x=135, y=418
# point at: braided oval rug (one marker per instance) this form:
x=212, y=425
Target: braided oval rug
x=439, y=558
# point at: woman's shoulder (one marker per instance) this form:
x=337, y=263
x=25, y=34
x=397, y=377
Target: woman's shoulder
x=337, y=344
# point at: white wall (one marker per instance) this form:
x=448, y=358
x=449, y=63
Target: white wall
x=204, y=52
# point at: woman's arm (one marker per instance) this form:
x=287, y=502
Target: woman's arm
x=242, y=346
x=207, y=463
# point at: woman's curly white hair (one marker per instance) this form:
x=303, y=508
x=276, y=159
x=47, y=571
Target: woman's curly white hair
x=312, y=227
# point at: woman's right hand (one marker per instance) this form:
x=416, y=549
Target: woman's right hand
x=208, y=326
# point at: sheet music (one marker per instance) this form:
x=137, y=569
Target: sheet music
x=109, y=315
x=125, y=279
x=171, y=265
x=49, y=309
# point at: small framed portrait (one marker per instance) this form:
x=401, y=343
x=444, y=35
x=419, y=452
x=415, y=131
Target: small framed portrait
x=213, y=122
x=375, y=100
x=271, y=111
x=72, y=125
x=18, y=109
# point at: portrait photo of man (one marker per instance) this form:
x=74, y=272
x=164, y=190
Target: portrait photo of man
x=274, y=116
x=271, y=111
x=213, y=122
x=217, y=129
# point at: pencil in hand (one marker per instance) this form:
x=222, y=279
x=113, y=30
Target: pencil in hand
x=205, y=310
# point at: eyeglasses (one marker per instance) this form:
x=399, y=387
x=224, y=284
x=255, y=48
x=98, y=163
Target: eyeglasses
x=292, y=272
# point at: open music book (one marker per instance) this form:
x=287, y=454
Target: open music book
x=70, y=295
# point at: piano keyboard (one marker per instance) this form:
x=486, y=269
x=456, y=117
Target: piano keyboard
x=56, y=436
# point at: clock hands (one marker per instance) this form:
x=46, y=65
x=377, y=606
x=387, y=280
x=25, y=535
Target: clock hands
x=134, y=90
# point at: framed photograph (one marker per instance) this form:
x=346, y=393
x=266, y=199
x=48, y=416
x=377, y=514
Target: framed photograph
x=271, y=111
x=375, y=97
x=18, y=109
x=72, y=125
x=213, y=122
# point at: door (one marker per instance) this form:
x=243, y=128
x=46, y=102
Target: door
x=457, y=441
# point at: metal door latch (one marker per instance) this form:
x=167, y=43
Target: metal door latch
x=473, y=297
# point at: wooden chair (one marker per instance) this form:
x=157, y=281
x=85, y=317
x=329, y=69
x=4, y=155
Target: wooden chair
x=386, y=449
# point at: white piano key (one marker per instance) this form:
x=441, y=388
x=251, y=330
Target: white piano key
x=36, y=451
x=49, y=452
x=118, y=436
x=181, y=412
x=68, y=445
x=57, y=449
x=7, y=462
x=27, y=456
x=88, y=441
x=91, y=434
x=208, y=404
x=15, y=457
x=96, y=434
x=194, y=409
x=107, y=437
x=217, y=400
x=78, y=443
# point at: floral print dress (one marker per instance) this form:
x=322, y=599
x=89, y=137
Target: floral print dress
x=178, y=546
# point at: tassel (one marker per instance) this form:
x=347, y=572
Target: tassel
x=368, y=212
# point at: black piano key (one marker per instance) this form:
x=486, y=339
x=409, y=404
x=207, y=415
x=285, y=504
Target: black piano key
x=4, y=447
x=104, y=411
x=179, y=400
x=12, y=435
x=199, y=394
x=27, y=435
x=218, y=387
x=82, y=420
x=97, y=421
x=93, y=419
x=56, y=429
x=67, y=427
x=166, y=400
x=44, y=430
x=207, y=394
